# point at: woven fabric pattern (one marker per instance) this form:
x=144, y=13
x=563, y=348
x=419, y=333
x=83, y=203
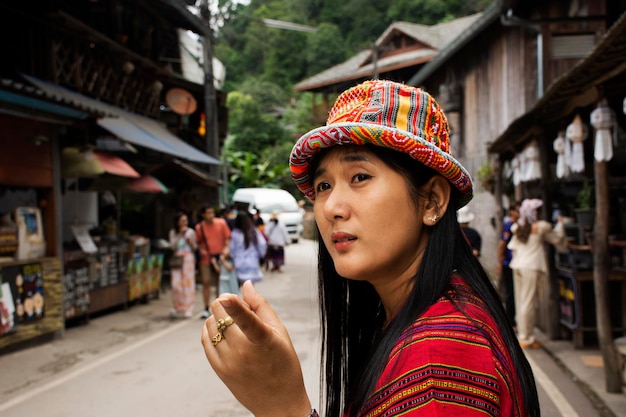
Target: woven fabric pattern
x=388, y=114
x=449, y=363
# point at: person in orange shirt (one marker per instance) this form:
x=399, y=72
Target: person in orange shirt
x=213, y=236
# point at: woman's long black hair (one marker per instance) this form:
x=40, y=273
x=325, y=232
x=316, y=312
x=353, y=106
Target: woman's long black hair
x=354, y=346
x=244, y=223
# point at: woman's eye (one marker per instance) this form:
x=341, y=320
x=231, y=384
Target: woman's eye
x=322, y=186
x=361, y=177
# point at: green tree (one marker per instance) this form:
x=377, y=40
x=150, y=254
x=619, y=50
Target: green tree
x=325, y=48
x=430, y=12
x=250, y=128
x=248, y=170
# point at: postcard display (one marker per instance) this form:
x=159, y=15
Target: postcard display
x=30, y=299
x=30, y=283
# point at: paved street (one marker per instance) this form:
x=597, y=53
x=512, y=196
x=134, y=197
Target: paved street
x=139, y=362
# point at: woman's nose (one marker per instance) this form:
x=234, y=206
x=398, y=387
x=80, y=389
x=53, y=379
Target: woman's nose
x=336, y=205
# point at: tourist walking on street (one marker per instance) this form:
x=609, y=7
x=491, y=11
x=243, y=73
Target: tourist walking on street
x=213, y=240
x=530, y=266
x=277, y=239
x=247, y=246
x=183, y=275
x=411, y=324
x=504, y=259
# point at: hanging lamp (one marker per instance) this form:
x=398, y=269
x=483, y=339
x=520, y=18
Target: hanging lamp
x=533, y=168
x=602, y=120
x=515, y=165
x=575, y=132
x=562, y=170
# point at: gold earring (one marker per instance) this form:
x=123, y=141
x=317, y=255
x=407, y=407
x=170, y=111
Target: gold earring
x=433, y=219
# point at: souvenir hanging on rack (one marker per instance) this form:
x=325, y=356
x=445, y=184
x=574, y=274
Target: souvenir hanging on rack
x=602, y=121
x=577, y=133
x=532, y=168
x=562, y=170
x=515, y=164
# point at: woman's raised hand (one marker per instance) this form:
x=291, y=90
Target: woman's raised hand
x=254, y=356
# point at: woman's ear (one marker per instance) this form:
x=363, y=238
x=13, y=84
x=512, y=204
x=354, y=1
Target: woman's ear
x=437, y=190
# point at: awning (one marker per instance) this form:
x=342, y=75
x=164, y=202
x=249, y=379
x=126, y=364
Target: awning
x=27, y=102
x=178, y=172
x=133, y=128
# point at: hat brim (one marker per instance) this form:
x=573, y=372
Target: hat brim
x=359, y=133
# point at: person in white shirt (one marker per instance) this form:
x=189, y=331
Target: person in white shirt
x=530, y=266
x=277, y=239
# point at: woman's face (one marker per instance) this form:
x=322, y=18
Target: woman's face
x=183, y=222
x=367, y=219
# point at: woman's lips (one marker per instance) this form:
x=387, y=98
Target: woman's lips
x=342, y=240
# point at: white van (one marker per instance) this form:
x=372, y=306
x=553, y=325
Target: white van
x=268, y=200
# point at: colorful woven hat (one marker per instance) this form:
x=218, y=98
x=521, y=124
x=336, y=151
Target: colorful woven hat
x=388, y=114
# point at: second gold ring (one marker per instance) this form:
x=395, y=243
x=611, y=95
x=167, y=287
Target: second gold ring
x=222, y=324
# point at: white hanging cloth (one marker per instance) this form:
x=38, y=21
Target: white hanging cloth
x=602, y=121
x=562, y=170
x=576, y=133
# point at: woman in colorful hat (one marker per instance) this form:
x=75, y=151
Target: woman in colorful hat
x=411, y=324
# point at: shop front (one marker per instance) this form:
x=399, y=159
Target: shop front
x=31, y=289
x=573, y=141
x=81, y=211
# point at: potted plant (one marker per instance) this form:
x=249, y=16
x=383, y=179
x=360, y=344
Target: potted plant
x=486, y=176
x=585, y=205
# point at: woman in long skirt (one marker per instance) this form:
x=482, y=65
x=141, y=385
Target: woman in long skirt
x=183, y=243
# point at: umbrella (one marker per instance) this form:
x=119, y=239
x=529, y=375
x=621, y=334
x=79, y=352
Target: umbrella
x=147, y=184
x=88, y=163
x=115, y=165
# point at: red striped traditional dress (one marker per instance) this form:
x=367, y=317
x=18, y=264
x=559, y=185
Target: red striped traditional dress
x=447, y=364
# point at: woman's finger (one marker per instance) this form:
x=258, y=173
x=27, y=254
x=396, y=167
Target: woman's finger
x=259, y=340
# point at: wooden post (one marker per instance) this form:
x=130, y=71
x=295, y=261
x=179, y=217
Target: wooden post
x=600, y=279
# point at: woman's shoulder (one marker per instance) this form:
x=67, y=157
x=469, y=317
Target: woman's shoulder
x=543, y=227
x=458, y=322
x=459, y=304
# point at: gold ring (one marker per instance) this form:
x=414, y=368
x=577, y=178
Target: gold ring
x=217, y=338
x=222, y=324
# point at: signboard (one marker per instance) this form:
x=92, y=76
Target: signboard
x=82, y=236
x=568, y=300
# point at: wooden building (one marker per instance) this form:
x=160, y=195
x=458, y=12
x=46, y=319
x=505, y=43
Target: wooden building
x=528, y=79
